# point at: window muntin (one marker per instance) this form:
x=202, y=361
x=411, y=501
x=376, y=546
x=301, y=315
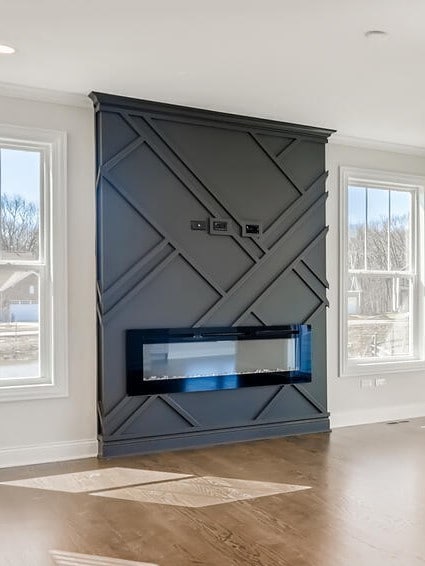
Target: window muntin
x=381, y=311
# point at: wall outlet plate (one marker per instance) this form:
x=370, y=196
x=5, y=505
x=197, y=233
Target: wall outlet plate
x=252, y=229
x=221, y=226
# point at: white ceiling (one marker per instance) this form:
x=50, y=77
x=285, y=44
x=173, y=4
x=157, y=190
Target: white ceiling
x=301, y=61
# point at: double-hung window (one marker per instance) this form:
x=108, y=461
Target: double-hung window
x=382, y=300
x=33, y=297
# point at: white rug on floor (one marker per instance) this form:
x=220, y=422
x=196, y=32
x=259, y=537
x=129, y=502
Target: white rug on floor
x=93, y=480
x=200, y=491
x=63, y=558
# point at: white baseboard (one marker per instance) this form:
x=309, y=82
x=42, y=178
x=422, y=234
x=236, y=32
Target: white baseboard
x=376, y=415
x=47, y=452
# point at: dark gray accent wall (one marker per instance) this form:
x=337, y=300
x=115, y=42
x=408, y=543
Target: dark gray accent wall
x=159, y=167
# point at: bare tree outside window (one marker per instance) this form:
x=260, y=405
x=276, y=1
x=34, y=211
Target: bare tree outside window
x=19, y=226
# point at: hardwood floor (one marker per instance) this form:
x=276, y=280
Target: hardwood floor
x=355, y=497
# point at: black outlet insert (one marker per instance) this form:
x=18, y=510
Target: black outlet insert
x=252, y=229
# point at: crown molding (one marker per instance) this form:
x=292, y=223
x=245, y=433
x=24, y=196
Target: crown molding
x=366, y=143
x=44, y=95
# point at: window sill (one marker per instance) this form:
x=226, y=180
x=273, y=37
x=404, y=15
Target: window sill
x=384, y=367
x=32, y=392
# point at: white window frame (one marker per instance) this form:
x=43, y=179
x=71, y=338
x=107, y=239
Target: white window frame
x=415, y=184
x=53, y=381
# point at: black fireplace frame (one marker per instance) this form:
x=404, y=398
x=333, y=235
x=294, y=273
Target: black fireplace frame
x=135, y=338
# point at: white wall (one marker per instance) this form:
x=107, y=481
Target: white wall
x=53, y=429
x=403, y=396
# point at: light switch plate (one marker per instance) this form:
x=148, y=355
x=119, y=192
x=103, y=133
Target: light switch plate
x=200, y=225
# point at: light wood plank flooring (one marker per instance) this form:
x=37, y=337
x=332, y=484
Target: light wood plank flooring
x=355, y=497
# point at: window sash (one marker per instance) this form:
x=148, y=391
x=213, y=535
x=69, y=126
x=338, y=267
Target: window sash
x=391, y=188
x=45, y=326
x=414, y=348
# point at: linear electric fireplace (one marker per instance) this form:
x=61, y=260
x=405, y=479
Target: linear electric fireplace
x=206, y=359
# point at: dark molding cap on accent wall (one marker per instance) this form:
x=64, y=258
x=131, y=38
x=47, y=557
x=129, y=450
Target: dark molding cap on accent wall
x=102, y=101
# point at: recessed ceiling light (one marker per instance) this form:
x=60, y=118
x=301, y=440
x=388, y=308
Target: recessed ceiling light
x=376, y=34
x=6, y=50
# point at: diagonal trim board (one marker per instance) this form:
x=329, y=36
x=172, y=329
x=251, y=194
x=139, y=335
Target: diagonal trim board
x=305, y=277
x=144, y=405
x=139, y=286
x=141, y=414
x=280, y=393
x=312, y=400
x=179, y=409
x=311, y=316
x=135, y=269
x=284, y=217
x=278, y=165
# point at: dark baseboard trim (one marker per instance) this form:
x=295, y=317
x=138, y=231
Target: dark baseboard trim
x=128, y=447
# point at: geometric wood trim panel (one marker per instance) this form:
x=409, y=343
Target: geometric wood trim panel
x=159, y=167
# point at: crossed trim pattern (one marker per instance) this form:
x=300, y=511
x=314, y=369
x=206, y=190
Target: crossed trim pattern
x=277, y=234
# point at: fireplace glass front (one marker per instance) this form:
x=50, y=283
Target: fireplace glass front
x=204, y=359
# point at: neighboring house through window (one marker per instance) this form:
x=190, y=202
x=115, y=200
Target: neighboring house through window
x=382, y=248
x=33, y=298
